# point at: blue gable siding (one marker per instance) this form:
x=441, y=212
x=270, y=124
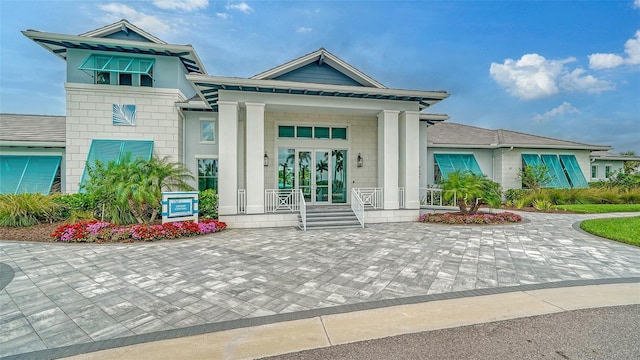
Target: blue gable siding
x=130, y=35
x=319, y=74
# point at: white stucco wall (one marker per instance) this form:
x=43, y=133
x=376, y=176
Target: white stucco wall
x=617, y=166
x=90, y=116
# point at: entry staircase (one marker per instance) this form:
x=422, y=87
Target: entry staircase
x=330, y=217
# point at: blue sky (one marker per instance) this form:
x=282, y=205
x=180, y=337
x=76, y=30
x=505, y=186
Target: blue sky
x=563, y=69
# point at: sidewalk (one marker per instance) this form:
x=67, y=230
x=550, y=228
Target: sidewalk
x=327, y=330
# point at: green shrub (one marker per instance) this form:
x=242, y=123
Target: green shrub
x=21, y=210
x=630, y=196
x=208, y=204
x=542, y=205
x=515, y=194
x=78, y=203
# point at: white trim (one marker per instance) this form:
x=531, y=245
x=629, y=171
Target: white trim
x=215, y=133
x=206, y=156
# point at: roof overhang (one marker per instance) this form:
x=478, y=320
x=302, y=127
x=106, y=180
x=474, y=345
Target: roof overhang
x=432, y=119
x=615, y=158
x=519, y=146
x=208, y=87
x=58, y=44
x=31, y=144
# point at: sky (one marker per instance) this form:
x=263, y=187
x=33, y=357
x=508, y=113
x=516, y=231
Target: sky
x=562, y=69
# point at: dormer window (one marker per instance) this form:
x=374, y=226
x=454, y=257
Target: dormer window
x=128, y=71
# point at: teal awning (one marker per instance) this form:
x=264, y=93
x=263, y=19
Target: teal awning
x=559, y=179
x=118, y=64
x=106, y=151
x=449, y=163
x=27, y=174
x=574, y=172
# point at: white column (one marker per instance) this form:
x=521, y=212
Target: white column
x=424, y=159
x=409, y=157
x=227, y=157
x=388, y=157
x=255, y=158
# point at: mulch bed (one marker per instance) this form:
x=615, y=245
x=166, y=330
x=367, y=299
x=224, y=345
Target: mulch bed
x=37, y=233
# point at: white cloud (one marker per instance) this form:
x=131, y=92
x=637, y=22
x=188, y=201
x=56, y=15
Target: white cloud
x=564, y=108
x=636, y=4
x=186, y=5
x=243, y=7
x=534, y=77
x=149, y=23
x=223, y=16
x=608, y=61
x=303, y=29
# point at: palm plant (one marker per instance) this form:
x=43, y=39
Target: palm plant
x=470, y=190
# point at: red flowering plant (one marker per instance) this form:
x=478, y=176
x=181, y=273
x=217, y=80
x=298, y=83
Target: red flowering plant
x=478, y=218
x=96, y=231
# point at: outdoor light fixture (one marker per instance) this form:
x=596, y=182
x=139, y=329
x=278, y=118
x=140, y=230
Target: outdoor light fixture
x=266, y=159
x=360, y=160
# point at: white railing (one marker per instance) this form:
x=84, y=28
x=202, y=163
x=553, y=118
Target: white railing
x=401, y=197
x=433, y=196
x=370, y=196
x=303, y=209
x=242, y=201
x=282, y=200
x=357, y=206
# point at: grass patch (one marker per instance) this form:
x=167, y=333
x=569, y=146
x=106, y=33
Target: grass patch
x=626, y=230
x=598, y=208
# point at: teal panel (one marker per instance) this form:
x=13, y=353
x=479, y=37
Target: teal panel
x=304, y=132
x=559, y=179
x=531, y=159
x=138, y=149
x=118, y=64
x=449, y=163
x=11, y=171
x=39, y=174
x=339, y=133
x=570, y=164
x=286, y=131
x=321, y=132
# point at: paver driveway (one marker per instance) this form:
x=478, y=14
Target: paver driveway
x=64, y=294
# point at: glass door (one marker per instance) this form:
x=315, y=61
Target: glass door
x=305, y=173
x=339, y=176
x=322, y=184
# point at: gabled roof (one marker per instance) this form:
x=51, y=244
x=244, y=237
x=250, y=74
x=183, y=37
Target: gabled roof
x=320, y=56
x=447, y=134
x=147, y=44
x=606, y=155
x=32, y=130
x=125, y=26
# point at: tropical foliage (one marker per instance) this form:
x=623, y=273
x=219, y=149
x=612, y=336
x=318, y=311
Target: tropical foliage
x=20, y=210
x=208, y=204
x=592, y=195
x=535, y=176
x=471, y=191
x=130, y=191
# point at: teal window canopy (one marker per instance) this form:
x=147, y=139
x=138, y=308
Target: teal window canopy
x=118, y=64
x=449, y=163
x=116, y=150
x=27, y=174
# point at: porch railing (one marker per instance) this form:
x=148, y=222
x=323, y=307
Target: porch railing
x=303, y=209
x=357, y=206
x=401, y=197
x=282, y=200
x=434, y=196
x=370, y=197
x=242, y=201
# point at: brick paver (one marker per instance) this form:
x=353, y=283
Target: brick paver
x=65, y=294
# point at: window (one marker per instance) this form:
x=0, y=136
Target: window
x=594, y=171
x=28, y=174
x=445, y=164
x=607, y=171
x=207, y=174
x=103, y=77
x=312, y=132
x=126, y=68
x=563, y=170
x=207, y=131
x=125, y=79
x=146, y=80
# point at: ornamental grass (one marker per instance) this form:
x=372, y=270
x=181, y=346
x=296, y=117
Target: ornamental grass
x=100, y=231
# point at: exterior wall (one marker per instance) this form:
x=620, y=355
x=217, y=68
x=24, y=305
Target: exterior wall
x=89, y=116
x=617, y=166
x=194, y=149
x=512, y=163
x=361, y=138
x=168, y=72
x=484, y=157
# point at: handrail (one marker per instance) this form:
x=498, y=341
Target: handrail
x=357, y=206
x=303, y=209
x=281, y=199
x=370, y=196
x=433, y=196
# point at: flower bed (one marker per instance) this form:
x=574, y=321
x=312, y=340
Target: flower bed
x=97, y=231
x=479, y=218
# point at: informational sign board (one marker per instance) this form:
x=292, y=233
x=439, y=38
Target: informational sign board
x=179, y=206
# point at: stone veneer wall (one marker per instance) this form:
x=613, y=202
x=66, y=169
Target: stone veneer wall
x=362, y=137
x=89, y=116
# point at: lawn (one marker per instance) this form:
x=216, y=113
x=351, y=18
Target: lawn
x=598, y=208
x=625, y=230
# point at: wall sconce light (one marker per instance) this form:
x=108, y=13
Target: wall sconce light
x=266, y=159
x=360, y=160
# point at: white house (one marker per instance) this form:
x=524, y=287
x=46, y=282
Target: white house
x=605, y=164
x=315, y=126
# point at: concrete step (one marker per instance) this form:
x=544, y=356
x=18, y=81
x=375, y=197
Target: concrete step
x=340, y=218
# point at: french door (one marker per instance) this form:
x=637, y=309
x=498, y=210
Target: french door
x=321, y=174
